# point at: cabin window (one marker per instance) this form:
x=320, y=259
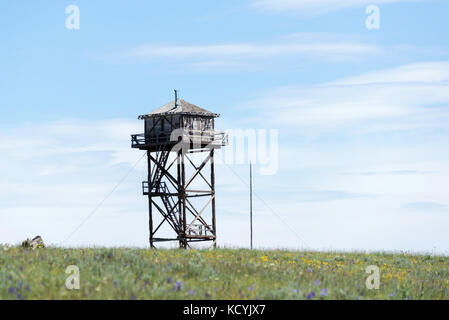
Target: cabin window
x=197, y=124
x=148, y=126
x=175, y=121
x=188, y=123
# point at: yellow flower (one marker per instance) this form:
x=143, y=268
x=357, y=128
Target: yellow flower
x=264, y=258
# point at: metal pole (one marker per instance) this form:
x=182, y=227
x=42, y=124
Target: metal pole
x=212, y=182
x=251, y=202
x=150, y=200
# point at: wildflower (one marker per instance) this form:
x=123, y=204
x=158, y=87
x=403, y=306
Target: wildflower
x=191, y=292
x=110, y=255
x=295, y=291
x=207, y=295
x=309, y=270
x=178, y=285
x=11, y=290
x=317, y=282
x=323, y=292
x=311, y=295
x=264, y=258
x=168, y=280
x=20, y=268
x=27, y=287
x=391, y=294
x=115, y=283
x=250, y=288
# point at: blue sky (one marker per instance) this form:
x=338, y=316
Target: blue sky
x=362, y=116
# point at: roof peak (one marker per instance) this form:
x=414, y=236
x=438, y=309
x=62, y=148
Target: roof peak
x=179, y=106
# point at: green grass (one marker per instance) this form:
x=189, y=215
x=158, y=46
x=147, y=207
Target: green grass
x=123, y=273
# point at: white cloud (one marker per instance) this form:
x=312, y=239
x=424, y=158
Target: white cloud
x=54, y=174
x=315, y=7
x=425, y=73
x=409, y=97
x=315, y=46
x=392, y=122
x=246, y=50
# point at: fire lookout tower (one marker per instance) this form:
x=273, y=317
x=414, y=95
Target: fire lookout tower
x=177, y=130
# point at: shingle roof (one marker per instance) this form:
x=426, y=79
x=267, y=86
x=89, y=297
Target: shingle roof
x=182, y=107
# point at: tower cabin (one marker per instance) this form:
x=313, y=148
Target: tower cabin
x=175, y=121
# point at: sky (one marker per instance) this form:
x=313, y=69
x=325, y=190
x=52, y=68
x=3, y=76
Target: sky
x=361, y=115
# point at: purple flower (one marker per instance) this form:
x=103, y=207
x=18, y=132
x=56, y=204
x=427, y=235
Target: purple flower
x=309, y=270
x=311, y=295
x=178, y=285
x=391, y=294
x=110, y=255
x=207, y=295
x=317, y=282
x=20, y=268
x=295, y=291
x=191, y=292
x=19, y=286
x=168, y=280
x=27, y=287
x=250, y=288
x=11, y=290
x=115, y=283
x=323, y=292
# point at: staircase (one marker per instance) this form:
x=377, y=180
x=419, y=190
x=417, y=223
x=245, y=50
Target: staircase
x=170, y=205
x=159, y=186
x=159, y=172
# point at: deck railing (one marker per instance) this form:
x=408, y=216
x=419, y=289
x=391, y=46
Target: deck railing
x=191, y=136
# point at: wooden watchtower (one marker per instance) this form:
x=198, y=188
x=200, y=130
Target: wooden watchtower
x=177, y=130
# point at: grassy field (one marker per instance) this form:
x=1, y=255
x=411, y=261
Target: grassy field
x=218, y=274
